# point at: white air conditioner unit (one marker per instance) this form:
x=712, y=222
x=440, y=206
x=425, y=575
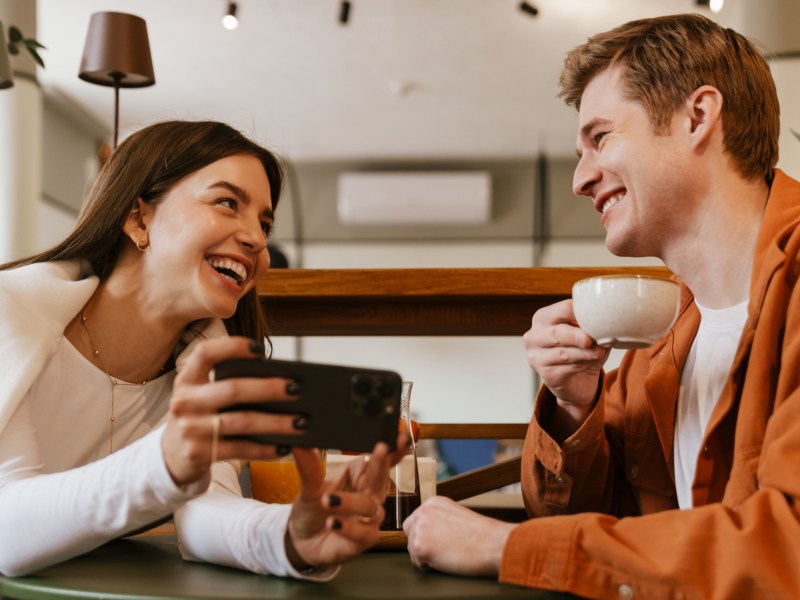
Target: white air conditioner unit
x=414, y=198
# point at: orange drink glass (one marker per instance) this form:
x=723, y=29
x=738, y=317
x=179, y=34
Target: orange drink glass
x=277, y=480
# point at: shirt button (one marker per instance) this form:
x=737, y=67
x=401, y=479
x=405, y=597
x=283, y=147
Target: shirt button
x=574, y=444
x=625, y=592
x=634, y=472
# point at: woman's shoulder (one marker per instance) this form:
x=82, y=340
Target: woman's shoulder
x=60, y=270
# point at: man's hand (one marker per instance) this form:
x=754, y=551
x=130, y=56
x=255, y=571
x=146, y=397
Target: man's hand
x=565, y=357
x=449, y=537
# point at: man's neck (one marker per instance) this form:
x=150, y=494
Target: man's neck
x=715, y=256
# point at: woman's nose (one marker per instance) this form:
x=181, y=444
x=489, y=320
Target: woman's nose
x=251, y=235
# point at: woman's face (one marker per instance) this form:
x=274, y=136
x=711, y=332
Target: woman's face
x=208, y=239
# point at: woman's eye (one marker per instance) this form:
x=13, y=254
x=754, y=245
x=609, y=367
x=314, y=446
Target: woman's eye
x=266, y=227
x=231, y=203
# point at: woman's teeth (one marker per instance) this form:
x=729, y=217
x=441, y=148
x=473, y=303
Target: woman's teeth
x=231, y=269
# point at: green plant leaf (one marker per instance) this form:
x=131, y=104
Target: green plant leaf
x=33, y=43
x=794, y=133
x=12, y=48
x=36, y=56
x=14, y=34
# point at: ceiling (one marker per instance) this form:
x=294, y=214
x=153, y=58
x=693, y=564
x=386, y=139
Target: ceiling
x=403, y=79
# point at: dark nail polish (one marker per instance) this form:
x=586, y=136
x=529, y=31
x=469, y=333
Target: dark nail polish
x=283, y=450
x=292, y=388
x=300, y=423
x=337, y=524
x=257, y=347
x=334, y=500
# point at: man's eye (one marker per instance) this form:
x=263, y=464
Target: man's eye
x=598, y=137
x=232, y=203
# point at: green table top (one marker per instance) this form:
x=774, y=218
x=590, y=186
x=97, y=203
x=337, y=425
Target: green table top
x=151, y=568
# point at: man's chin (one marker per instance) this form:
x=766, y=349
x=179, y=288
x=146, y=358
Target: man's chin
x=625, y=249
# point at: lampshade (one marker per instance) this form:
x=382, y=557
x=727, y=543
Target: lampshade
x=6, y=81
x=117, y=51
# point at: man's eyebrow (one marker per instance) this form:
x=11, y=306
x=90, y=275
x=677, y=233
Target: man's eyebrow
x=586, y=129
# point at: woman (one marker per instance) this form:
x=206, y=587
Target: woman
x=109, y=419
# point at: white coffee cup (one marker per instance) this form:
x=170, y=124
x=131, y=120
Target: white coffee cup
x=625, y=311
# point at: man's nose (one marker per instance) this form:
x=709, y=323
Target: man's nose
x=586, y=175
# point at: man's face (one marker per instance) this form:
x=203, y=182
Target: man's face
x=633, y=176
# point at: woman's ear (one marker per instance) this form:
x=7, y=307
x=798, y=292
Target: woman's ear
x=137, y=222
x=703, y=110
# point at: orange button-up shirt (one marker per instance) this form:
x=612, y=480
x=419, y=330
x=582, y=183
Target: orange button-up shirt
x=612, y=527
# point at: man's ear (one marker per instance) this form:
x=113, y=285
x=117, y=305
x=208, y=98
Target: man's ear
x=703, y=111
x=137, y=222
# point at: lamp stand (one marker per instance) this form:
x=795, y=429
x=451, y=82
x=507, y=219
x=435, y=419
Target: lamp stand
x=117, y=77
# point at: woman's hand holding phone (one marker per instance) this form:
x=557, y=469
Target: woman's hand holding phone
x=197, y=433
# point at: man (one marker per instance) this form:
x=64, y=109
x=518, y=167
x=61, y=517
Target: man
x=678, y=475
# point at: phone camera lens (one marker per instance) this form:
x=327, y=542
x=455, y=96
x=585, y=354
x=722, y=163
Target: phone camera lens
x=372, y=406
x=385, y=389
x=362, y=385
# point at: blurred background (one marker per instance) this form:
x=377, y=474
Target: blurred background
x=461, y=90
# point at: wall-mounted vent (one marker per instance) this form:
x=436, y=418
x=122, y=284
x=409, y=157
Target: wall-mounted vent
x=414, y=198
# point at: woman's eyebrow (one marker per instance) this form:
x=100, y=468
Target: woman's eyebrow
x=241, y=194
x=232, y=188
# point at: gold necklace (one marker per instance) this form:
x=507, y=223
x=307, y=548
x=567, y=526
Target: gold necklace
x=114, y=382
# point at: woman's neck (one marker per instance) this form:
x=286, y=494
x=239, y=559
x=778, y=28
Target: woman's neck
x=122, y=337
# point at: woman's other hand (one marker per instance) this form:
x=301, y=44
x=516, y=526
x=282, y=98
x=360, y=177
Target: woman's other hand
x=333, y=521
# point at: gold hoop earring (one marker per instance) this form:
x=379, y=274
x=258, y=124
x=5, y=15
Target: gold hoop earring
x=142, y=245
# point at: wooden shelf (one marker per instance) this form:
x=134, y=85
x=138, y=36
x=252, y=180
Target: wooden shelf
x=418, y=301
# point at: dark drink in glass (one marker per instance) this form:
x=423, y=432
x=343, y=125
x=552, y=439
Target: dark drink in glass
x=398, y=507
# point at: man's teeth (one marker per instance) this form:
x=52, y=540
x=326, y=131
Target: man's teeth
x=234, y=268
x=611, y=202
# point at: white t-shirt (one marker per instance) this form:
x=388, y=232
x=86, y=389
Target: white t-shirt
x=704, y=375
x=62, y=493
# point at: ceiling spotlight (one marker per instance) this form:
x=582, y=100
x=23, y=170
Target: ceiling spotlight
x=229, y=21
x=529, y=8
x=714, y=5
x=344, y=12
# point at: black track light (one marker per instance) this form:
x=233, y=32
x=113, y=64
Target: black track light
x=229, y=21
x=528, y=8
x=344, y=12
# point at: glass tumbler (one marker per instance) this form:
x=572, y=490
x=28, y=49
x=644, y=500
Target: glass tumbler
x=403, y=492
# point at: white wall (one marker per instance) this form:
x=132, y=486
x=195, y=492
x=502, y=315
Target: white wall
x=70, y=165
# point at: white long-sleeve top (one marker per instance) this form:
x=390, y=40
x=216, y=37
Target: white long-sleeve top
x=61, y=492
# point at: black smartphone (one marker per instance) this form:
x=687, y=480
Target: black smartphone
x=348, y=408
